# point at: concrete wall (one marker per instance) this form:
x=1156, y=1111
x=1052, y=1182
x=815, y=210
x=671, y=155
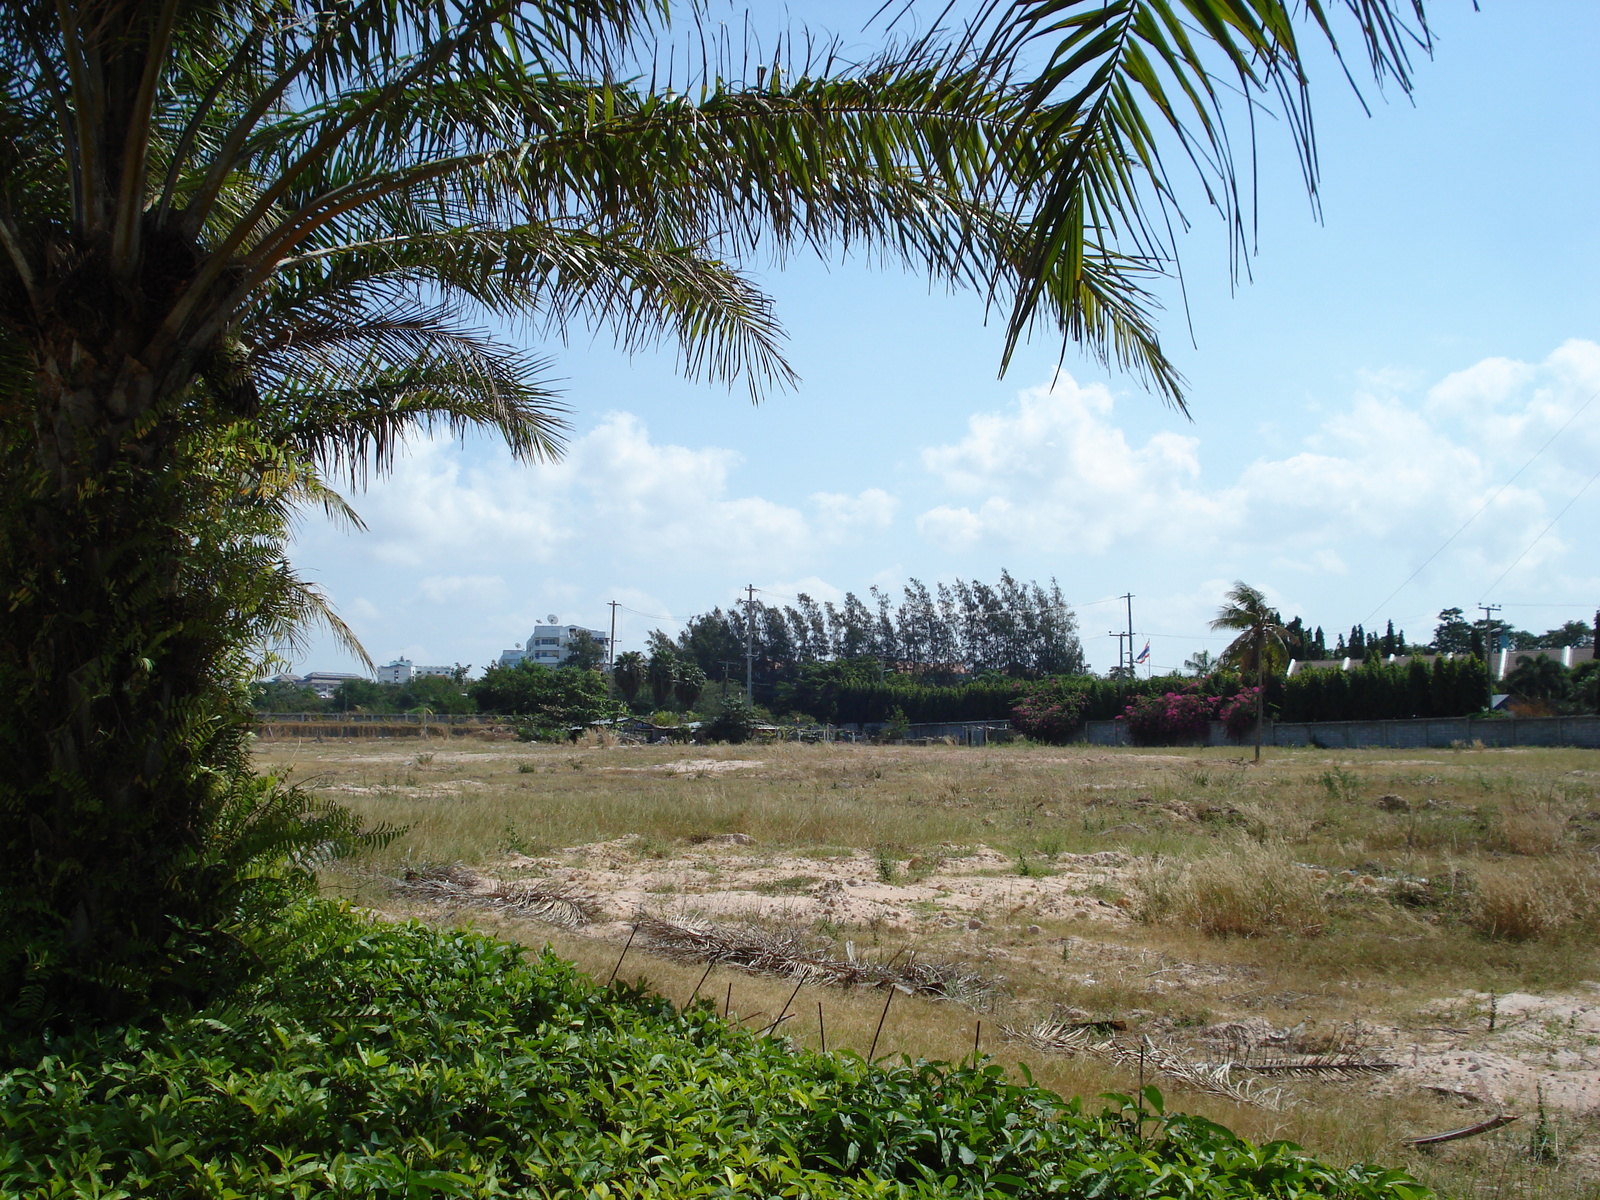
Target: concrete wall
x=1436, y=733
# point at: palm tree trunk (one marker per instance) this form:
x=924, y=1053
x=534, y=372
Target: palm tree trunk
x=1261, y=692
x=117, y=719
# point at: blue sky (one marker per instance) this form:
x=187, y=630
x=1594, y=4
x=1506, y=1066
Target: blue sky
x=1378, y=379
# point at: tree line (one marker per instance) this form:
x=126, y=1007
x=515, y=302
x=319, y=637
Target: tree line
x=950, y=633
x=1453, y=634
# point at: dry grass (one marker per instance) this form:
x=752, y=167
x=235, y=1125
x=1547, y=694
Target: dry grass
x=1480, y=875
x=1524, y=902
x=1245, y=891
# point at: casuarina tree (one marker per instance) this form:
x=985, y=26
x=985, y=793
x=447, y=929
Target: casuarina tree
x=247, y=247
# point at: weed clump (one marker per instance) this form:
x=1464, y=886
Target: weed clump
x=1520, y=902
x=1246, y=891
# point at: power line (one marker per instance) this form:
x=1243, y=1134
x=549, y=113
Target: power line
x=1482, y=508
x=650, y=616
x=1542, y=532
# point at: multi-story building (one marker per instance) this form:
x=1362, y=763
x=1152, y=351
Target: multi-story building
x=551, y=645
x=326, y=683
x=403, y=670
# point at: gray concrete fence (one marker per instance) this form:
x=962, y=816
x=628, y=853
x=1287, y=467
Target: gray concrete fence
x=1440, y=733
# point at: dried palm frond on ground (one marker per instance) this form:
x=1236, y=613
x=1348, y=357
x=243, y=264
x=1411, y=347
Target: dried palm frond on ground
x=1055, y=1037
x=454, y=884
x=765, y=952
x=1326, y=1066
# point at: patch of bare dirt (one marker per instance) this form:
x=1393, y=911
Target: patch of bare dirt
x=1540, y=1044
x=722, y=879
x=696, y=766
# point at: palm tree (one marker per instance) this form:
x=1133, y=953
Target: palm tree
x=660, y=673
x=1200, y=664
x=628, y=674
x=688, y=683
x=250, y=243
x=1259, y=646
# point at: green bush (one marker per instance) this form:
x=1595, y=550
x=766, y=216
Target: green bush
x=399, y=1060
x=553, y=697
x=734, y=721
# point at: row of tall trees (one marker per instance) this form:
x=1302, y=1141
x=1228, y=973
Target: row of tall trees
x=946, y=634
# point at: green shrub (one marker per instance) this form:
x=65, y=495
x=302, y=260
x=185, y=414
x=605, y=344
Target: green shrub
x=735, y=721
x=399, y=1060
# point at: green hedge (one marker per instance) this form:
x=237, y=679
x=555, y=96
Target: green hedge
x=401, y=1061
x=852, y=703
x=1373, y=691
x=1379, y=691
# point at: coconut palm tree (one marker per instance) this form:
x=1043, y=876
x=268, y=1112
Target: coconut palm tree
x=1259, y=646
x=628, y=674
x=660, y=673
x=246, y=242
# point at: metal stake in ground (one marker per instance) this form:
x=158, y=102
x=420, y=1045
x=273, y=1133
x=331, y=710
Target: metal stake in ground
x=785, y=1008
x=727, y=1003
x=822, y=1030
x=887, y=1001
x=701, y=984
x=622, y=956
x=976, y=1034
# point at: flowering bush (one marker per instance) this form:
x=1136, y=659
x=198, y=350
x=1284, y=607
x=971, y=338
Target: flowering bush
x=1174, y=717
x=1177, y=717
x=1238, y=713
x=1049, y=712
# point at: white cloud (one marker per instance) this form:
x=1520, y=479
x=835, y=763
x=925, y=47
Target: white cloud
x=841, y=516
x=1056, y=473
x=1384, y=479
x=473, y=590
x=617, y=489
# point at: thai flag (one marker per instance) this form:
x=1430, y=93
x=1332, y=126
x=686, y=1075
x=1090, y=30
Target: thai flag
x=1143, y=654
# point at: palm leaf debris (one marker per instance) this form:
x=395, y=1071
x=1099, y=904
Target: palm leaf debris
x=766, y=952
x=455, y=884
x=1335, y=1066
x=1216, y=1079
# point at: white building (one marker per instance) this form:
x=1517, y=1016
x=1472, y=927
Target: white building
x=403, y=670
x=326, y=683
x=551, y=645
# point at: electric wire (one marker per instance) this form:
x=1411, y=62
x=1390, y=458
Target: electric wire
x=1484, y=507
x=1542, y=532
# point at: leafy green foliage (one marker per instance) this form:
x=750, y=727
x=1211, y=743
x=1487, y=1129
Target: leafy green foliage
x=853, y=690
x=733, y=721
x=554, y=697
x=1378, y=691
x=387, y=1060
x=432, y=692
x=133, y=609
x=1050, y=711
x=271, y=696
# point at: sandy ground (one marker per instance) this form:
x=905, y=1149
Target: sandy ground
x=1540, y=1045
x=719, y=880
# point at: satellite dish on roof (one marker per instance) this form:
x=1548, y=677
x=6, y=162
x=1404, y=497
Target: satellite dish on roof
x=551, y=619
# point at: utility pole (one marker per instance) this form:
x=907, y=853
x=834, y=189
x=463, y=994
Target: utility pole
x=611, y=646
x=1129, y=598
x=1119, y=635
x=1488, y=650
x=749, y=644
